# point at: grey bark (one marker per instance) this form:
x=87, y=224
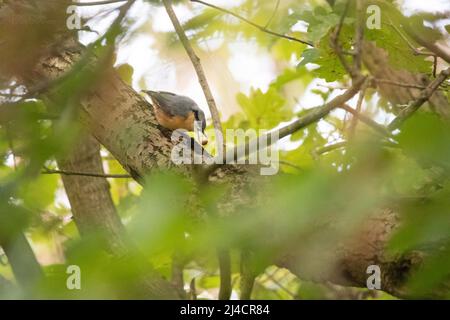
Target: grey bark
x=90, y=198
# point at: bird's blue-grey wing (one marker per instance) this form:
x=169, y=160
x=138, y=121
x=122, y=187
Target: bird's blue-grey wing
x=175, y=104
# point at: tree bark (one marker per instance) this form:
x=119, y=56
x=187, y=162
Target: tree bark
x=90, y=199
x=95, y=214
x=26, y=269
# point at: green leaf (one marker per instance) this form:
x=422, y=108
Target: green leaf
x=426, y=138
x=285, y=50
x=447, y=27
x=320, y=21
x=330, y=67
x=400, y=54
x=288, y=75
x=40, y=193
x=309, y=56
x=126, y=73
x=264, y=110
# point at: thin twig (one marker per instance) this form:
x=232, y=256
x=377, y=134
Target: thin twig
x=11, y=144
x=359, y=35
x=11, y=95
x=334, y=41
x=415, y=51
x=225, y=274
x=197, y=66
x=432, y=46
x=273, y=15
x=86, y=174
x=416, y=104
x=280, y=285
x=400, y=84
x=330, y=147
x=261, y=28
x=434, y=66
x=332, y=87
x=343, y=144
x=290, y=164
x=96, y=3
x=368, y=121
x=192, y=290
x=354, y=122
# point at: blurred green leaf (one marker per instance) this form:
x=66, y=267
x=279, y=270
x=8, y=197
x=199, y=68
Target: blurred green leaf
x=264, y=110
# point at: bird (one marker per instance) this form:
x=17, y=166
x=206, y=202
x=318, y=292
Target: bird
x=175, y=111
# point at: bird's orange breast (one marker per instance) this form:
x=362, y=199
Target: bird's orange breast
x=174, y=122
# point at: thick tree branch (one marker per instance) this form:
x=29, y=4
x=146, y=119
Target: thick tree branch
x=26, y=269
x=95, y=214
x=90, y=199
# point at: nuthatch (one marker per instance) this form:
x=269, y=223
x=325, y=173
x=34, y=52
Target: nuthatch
x=178, y=112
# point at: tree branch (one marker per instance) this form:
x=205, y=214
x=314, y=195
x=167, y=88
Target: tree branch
x=359, y=35
x=96, y=3
x=368, y=121
x=261, y=28
x=90, y=199
x=95, y=214
x=225, y=274
x=86, y=174
x=26, y=269
x=314, y=115
x=334, y=42
x=330, y=147
x=197, y=66
x=416, y=104
x=433, y=47
x=400, y=84
x=273, y=15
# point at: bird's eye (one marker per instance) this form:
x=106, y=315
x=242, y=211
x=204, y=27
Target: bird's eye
x=196, y=115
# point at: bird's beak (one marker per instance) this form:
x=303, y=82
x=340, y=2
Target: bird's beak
x=201, y=136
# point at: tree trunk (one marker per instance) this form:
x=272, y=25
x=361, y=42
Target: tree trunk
x=92, y=206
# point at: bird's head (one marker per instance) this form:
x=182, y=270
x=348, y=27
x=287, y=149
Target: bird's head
x=200, y=125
